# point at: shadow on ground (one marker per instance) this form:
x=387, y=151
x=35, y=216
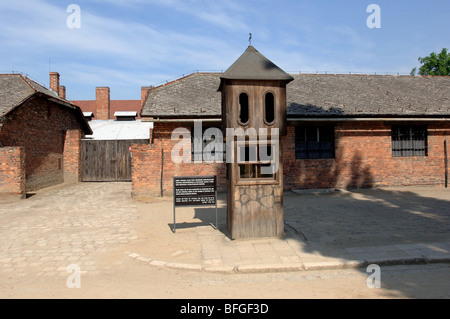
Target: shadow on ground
x=331, y=222
x=371, y=217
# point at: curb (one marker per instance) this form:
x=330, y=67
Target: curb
x=293, y=267
x=325, y=265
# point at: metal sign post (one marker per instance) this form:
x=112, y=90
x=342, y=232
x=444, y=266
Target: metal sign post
x=194, y=191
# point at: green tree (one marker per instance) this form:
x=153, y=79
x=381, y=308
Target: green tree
x=434, y=64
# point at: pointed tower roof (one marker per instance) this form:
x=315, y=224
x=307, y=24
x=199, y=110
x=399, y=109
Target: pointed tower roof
x=252, y=65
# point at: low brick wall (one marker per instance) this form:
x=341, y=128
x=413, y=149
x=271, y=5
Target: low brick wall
x=12, y=173
x=72, y=156
x=146, y=171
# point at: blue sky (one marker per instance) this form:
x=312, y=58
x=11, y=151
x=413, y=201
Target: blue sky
x=126, y=44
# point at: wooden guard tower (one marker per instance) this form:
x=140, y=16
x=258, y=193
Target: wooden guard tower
x=254, y=98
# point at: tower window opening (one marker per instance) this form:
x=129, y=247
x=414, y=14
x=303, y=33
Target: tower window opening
x=243, y=109
x=270, y=108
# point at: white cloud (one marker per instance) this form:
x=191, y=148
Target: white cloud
x=346, y=35
x=224, y=13
x=104, y=51
x=143, y=42
x=120, y=42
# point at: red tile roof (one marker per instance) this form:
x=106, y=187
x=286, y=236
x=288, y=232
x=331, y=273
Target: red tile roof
x=125, y=106
x=115, y=106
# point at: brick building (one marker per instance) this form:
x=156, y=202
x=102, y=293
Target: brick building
x=103, y=108
x=116, y=125
x=40, y=135
x=175, y=104
x=343, y=131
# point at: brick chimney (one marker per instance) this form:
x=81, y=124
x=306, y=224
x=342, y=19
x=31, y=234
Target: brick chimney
x=62, y=92
x=102, y=103
x=54, y=81
x=144, y=93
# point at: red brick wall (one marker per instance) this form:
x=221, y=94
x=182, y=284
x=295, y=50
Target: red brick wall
x=40, y=127
x=146, y=170
x=148, y=161
x=72, y=156
x=103, y=103
x=364, y=159
x=62, y=92
x=54, y=81
x=12, y=173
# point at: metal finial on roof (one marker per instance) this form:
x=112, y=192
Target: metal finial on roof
x=250, y=38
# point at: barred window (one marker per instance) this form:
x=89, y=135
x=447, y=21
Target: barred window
x=408, y=141
x=252, y=165
x=202, y=142
x=314, y=142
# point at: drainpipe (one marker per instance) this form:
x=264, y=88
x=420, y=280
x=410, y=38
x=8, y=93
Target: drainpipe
x=162, y=171
x=446, y=163
x=2, y=119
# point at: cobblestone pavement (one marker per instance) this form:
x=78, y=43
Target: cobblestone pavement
x=371, y=217
x=89, y=223
x=332, y=230
x=64, y=225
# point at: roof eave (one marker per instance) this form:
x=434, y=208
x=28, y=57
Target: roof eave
x=78, y=112
x=371, y=117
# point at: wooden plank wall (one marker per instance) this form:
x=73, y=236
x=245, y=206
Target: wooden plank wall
x=107, y=160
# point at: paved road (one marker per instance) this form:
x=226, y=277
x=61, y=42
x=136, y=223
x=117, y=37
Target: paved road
x=64, y=225
x=127, y=249
x=370, y=217
x=340, y=229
